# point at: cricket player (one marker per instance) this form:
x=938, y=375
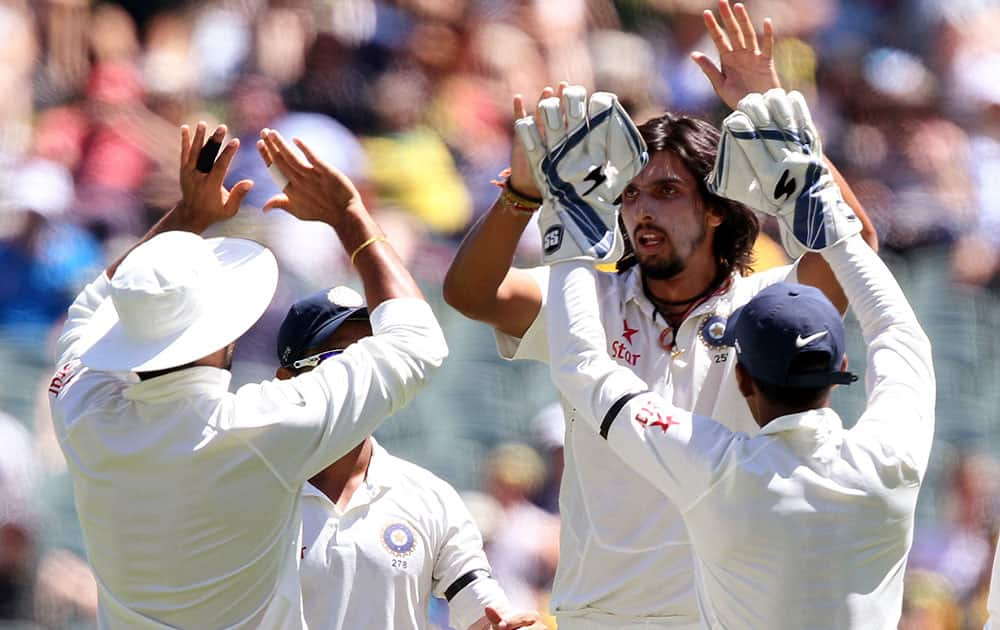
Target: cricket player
x=628, y=564
x=380, y=535
x=801, y=524
x=188, y=495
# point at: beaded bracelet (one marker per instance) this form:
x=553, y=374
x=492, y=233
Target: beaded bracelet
x=514, y=200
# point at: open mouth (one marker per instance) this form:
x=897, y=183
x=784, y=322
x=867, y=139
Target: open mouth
x=647, y=239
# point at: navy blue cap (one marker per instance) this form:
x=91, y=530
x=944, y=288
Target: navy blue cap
x=312, y=320
x=782, y=322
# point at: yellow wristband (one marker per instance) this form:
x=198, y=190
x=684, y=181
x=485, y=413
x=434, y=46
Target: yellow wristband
x=374, y=239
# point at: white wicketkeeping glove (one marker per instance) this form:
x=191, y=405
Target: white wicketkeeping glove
x=585, y=160
x=770, y=159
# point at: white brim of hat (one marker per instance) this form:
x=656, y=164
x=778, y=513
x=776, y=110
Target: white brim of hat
x=243, y=292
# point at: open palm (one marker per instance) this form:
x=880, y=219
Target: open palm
x=747, y=64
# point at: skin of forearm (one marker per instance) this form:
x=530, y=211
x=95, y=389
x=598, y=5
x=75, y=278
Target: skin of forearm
x=868, y=232
x=382, y=272
x=483, y=259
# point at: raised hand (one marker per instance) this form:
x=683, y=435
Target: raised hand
x=312, y=190
x=582, y=152
x=747, y=63
x=520, y=169
x=203, y=194
x=769, y=160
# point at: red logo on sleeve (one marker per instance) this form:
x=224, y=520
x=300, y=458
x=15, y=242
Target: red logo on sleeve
x=650, y=416
x=61, y=379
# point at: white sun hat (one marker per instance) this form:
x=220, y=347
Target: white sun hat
x=177, y=298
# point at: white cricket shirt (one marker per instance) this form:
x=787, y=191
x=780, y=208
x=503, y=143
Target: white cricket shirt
x=404, y=535
x=188, y=495
x=805, y=524
x=993, y=601
x=624, y=552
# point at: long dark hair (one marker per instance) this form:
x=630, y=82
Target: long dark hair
x=696, y=143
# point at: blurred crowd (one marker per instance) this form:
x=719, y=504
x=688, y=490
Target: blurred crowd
x=412, y=99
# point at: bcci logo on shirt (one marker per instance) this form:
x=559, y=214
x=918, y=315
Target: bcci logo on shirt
x=398, y=538
x=713, y=331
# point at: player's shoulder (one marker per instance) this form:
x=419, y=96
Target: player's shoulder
x=417, y=480
x=742, y=288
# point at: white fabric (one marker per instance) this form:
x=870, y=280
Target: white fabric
x=993, y=601
x=177, y=298
x=624, y=560
x=805, y=524
x=188, y=495
x=351, y=578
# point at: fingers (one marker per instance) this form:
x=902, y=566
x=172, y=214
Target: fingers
x=236, y=195
x=196, y=144
x=282, y=154
x=314, y=159
x=708, y=67
x=519, y=111
x=716, y=33
x=574, y=100
x=264, y=153
x=205, y=159
x=767, y=46
x=185, y=143
x=225, y=159
x=781, y=109
x=733, y=30
x=746, y=25
x=278, y=201
x=551, y=114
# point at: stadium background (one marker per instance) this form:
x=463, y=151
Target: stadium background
x=412, y=99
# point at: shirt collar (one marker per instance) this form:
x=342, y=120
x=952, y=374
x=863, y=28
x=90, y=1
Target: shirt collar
x=209, y=381
x=634, y=292
x=380, y=468
x=816, y=422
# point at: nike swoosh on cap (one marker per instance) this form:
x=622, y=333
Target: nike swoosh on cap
x=802, y=342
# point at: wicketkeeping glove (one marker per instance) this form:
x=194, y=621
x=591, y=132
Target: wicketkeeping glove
x=770, y=159
x=589, y=153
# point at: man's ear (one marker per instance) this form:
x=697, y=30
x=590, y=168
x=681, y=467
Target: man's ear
x=283, y=374
x=714, y=217
x=744, y=381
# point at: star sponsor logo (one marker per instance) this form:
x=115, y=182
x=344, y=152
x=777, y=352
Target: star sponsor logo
x=628, y=332
x=61, y=379
x=649, y=416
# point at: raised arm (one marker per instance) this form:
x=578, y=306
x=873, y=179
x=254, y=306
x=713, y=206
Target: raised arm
x=747, y=66
x=481, y=283
x=900, y=375
x=319, y=416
